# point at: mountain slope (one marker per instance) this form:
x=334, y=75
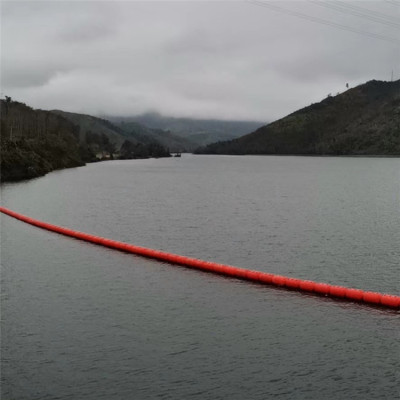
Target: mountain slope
x=88, y=123
x=364, y=120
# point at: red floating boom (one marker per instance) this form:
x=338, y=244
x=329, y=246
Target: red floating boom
x=385, y=300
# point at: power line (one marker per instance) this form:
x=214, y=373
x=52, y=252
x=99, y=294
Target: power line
x=323, y=21
x=364, y=15
x=366, y=11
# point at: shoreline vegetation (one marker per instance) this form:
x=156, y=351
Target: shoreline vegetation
x=361, y=122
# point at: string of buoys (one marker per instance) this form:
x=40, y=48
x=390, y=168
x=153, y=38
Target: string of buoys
x=323, y=289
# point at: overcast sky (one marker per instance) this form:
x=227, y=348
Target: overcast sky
x=225, y=59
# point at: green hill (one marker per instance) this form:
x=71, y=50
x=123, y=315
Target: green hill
x=364, y=120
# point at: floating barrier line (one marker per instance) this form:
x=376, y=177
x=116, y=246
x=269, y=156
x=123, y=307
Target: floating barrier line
x=324, y=289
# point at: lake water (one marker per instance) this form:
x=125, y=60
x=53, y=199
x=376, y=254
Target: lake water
x=84, y=322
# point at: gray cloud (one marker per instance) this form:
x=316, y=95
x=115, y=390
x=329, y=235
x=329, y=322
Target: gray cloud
x=200, y=59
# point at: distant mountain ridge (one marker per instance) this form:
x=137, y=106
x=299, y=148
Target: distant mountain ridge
x=145, y=134
x=198, y=132
x=133, y=131
x=364, y=120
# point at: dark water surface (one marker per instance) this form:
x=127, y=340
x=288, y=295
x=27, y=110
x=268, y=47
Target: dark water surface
x=84, y=322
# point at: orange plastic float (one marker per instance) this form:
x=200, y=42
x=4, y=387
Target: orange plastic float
x=318, y=288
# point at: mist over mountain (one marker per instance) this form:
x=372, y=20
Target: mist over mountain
x=173, y=142
x=364, y=120
x=198, y=132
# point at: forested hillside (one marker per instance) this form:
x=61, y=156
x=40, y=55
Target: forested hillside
x=34, y=142
x=364, y=120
